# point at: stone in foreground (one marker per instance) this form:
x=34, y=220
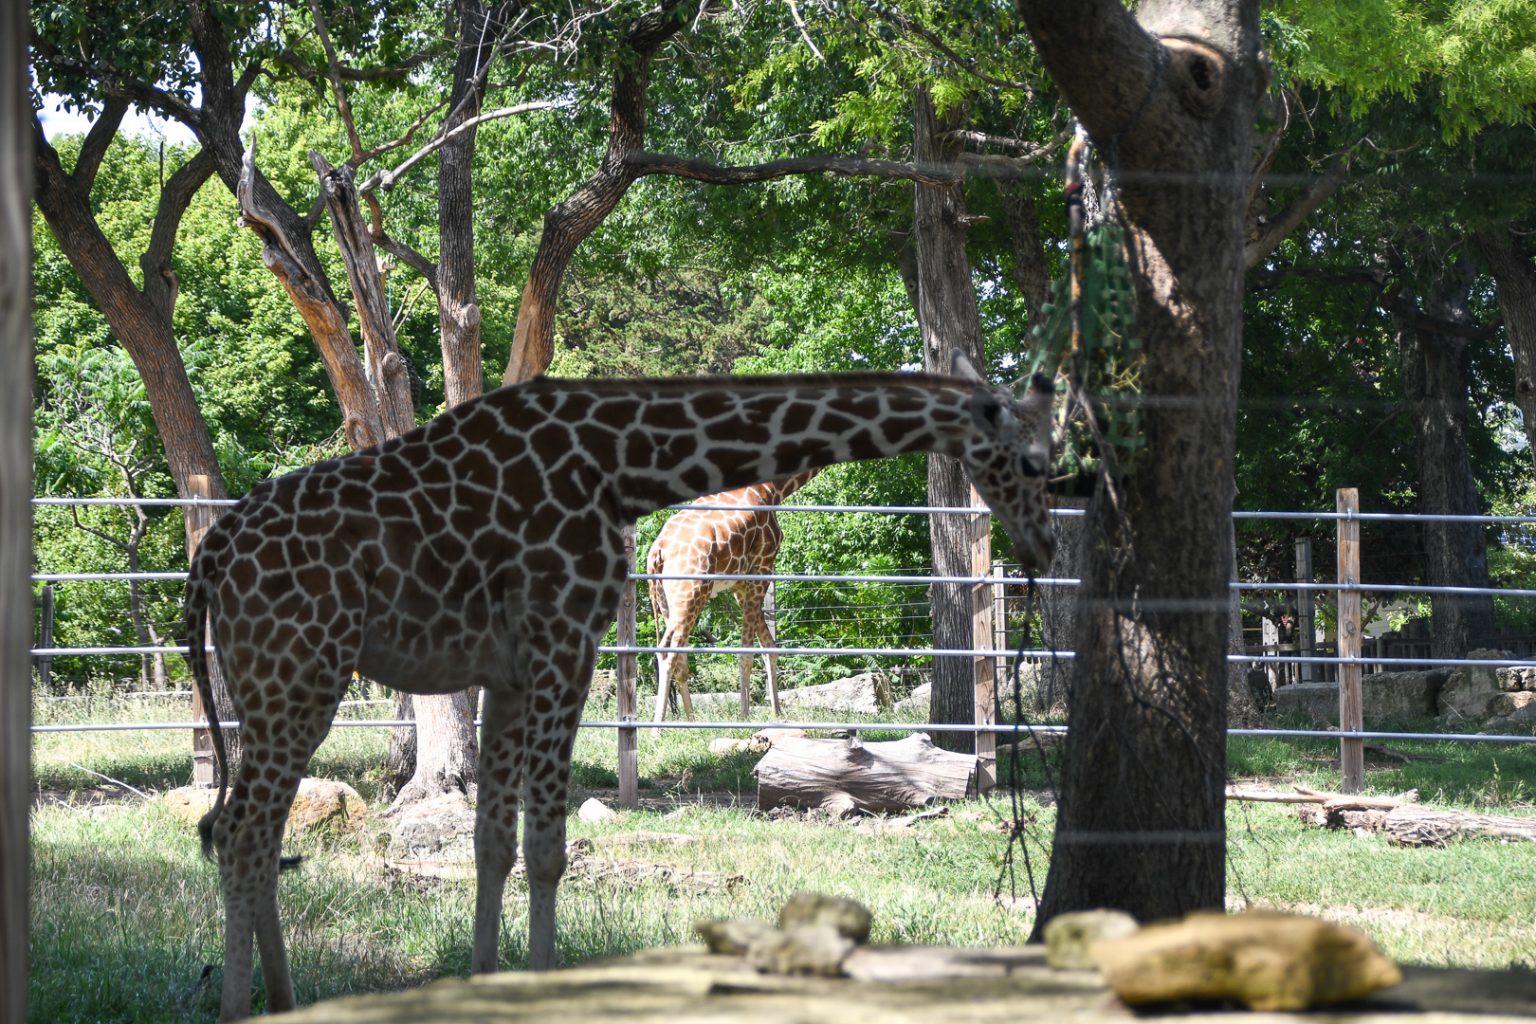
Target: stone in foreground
x=1264, y=959
x=1069, y=938
x=850, y=918
x=322, y=807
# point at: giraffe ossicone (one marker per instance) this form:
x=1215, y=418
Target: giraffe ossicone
x=486, y=548
x=736, y=541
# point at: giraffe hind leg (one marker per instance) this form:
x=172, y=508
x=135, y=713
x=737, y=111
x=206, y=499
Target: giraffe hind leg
x=248, y=835
x=503, y=751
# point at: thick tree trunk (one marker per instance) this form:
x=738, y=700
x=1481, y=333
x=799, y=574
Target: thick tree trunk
x=1141, y=822
x=951, y=326
x=458, y=309
x=1510, y=263
x=1436, y=387
x=568, y=224
x=15, y=510
x=444, y=747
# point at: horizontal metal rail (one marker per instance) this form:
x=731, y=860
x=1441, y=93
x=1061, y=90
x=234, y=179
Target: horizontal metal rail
x=999, y=730
x=1424, y=517
x=903, y=580
x=901, y=652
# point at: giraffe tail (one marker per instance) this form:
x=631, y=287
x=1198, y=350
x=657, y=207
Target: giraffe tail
x=196, y=609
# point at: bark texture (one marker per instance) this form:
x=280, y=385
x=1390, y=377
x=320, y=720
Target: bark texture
x=950, y=326
x=1510, y=263
x=569, y=223
x=1433, y=345
x=1170, y=93
x=15, y=509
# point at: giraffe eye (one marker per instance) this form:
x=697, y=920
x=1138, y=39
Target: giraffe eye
x=1030, y=465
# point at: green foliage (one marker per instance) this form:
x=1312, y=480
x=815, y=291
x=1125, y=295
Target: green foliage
x=1474, y=60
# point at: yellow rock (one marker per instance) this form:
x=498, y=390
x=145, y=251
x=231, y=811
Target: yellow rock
x=1264, y=959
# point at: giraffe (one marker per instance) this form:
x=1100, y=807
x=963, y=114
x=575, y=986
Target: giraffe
x=485, y=548
x=717, y=542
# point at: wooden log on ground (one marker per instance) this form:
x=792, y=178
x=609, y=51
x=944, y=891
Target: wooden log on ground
x=847, y=776
x=1329, y=801
x=1409, y=825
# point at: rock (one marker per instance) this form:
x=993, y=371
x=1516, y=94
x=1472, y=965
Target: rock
x=918, y=701
x=1469, y=690
x=435, y=838
x=1316, y=702
x=815, y=949
x=1385, y=696
x=866, y=693
x=1392, y=695
x=1070, y=937
x=1513, y=679
x=1504, y=705
x=328, y=807
x=734, y=938
x=322, y=807
x=594, y=810
x=1264, y=959
x=850, y=918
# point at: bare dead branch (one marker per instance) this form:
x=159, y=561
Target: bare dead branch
x=385, y=179
x=846, y=166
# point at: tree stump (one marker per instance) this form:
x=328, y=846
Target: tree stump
x=844, y=777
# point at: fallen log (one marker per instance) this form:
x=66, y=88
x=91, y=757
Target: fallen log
x=1407, y=825
x=1329, y=801
x=849, y=776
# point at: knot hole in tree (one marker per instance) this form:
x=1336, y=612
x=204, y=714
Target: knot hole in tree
x=1198, y=72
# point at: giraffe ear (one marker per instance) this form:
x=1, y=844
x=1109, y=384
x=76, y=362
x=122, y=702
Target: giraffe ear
x=960, y=365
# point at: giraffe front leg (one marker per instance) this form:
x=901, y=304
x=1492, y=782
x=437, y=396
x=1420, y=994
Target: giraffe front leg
x=552, y=732
x=502, y=753
x=755, y=629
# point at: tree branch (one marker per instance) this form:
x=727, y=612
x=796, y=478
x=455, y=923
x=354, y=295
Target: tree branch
x=387, y=177
x=1273, y=231
x=905, y=24
x=410, y=257
x=847, y=166
x=97, y=141
x=160, y=282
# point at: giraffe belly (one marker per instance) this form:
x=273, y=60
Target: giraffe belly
x=420, y=659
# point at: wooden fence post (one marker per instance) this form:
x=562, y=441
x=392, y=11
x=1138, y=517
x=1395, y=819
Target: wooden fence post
x=982, y=639
x=624, y=684
x=1351, y=707
x=1306, y=621
x=45, y=663
x=200, y=517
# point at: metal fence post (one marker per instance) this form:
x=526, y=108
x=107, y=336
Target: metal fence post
x=1351, y=707
x=624, y=685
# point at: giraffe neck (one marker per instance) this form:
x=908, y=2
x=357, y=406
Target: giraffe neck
x=678, y=439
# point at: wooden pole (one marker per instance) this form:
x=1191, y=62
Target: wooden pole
x=200, y=518
x=15, y=507
x=1351, y=706
x=1306, y=621
x=624, y=684
x=45, y=663
x=982, y=639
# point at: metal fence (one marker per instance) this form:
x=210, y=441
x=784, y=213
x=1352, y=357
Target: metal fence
x=1274, y=658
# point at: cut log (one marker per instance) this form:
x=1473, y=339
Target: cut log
x=1330, y=801
x=847, y=776
x=1408, y=825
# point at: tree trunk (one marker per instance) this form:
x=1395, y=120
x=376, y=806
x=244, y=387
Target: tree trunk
x=1510, y=264
x=15, y=510
x=568, y=224
x=951, y=326
x=1436, y=387
x=1141, y=820
x=444, y=746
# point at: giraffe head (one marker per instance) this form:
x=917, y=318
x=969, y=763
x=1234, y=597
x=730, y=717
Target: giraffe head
x=1008, y=457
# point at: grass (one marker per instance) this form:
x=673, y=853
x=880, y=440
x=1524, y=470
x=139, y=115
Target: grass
x=127, y=922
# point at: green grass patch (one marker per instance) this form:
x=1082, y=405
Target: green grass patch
x=127, y=919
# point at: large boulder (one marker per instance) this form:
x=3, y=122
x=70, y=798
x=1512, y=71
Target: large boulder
x=1470, y=690
x=322, y=807
x=1385, y=697
x=867, y=693
x=1264, y=959
x=435, y=838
